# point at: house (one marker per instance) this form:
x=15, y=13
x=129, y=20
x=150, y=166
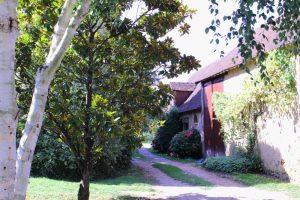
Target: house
x=279, y=137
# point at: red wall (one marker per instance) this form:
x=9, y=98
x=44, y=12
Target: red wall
x=213, y=141
x=181, y=96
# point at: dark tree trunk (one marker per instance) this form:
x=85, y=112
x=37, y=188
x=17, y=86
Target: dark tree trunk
x=84, y=187
x=86, y=166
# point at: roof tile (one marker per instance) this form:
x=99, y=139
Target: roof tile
x=233, y=58
x=193, y=102
x=180, y=86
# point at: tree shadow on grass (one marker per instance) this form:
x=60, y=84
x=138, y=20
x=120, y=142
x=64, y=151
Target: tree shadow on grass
x=133, y=176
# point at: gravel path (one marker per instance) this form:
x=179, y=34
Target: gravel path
x=224, y=189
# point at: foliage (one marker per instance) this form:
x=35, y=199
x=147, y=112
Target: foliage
x=31, y=50
x=239, y=113
x=109, y=78
x=53, y=159
x=166, y=132
x=180, y=175
x=148, y=137
x=229, y=164
x=111, y=165
x=282, y=16
x=114, y=82
x=150, y=128
x=186, y=144
x=130, y=183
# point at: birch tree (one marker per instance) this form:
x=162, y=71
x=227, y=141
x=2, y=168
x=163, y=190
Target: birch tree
x=8, y=107
x=15, y=167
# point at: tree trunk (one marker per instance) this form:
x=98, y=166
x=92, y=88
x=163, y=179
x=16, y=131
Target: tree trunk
x=84, y=191
x=8, y=105
x=30, y=134
x=297, y=77
x=84, y=187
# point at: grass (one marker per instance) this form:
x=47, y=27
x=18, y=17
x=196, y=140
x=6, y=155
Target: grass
x=182, y=160
x=179, y=175
x=139, y=156
x=133, y=183
x=266, y=183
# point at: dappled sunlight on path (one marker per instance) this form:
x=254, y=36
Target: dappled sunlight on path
x=223, y=189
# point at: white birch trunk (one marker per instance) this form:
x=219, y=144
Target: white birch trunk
x=62, y=23
x=297, y=77
x=8, y=106
x=64, y=32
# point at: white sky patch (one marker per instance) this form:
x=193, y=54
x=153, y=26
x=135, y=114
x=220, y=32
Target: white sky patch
x=197, y=42
x=136, y=10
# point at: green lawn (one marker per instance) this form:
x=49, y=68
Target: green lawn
x=139, y=156
x=182, y=160
x=125, y=187
x=266, y=183
x=179, y=175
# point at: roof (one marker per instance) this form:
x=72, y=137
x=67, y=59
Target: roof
x=180, y=86
x=193, y=102
x=233, y=58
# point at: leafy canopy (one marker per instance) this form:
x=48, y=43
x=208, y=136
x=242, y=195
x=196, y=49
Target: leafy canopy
x=109, y=78
x=282, y=16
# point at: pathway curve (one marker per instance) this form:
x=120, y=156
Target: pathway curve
x=224, y=189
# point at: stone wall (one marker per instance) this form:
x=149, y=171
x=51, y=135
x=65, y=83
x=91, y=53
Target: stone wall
x=279, y=146
x=278, y=137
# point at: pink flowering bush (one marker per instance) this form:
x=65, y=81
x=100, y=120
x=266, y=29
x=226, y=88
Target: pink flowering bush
x=186, y=144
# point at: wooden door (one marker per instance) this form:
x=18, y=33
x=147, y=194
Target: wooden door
x=213, y=141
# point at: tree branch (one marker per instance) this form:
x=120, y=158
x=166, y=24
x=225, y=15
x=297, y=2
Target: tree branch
x=99, y=26
x=65, y=134
x=119, y=33
x=53, y=60
x=62, y=24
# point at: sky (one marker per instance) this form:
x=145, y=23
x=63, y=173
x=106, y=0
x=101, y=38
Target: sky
x=197, y=42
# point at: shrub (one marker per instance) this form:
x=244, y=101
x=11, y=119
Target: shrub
x=165, y=133
x=107, y=167
x=54, y=159
x=230, y=164
x=148, y=136
x=186, y=144
x=238, y=113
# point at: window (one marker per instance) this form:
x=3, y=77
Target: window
x=185, y=123
x=196, y=120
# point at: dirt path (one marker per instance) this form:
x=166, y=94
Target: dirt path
x=188, y=168
x=224, y=189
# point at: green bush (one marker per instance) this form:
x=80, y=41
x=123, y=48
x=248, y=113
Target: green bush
x=228, y=164
x=54, y=159
x=186, y=144
x=107, y=167
x=166, y=132
x=148, y=136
